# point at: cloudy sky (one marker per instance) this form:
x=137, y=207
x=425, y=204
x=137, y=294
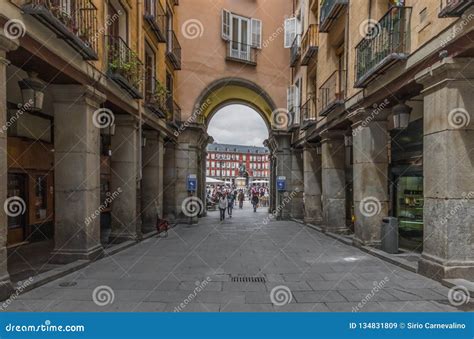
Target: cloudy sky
x=238, y=124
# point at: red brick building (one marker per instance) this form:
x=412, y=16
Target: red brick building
x=228, y=162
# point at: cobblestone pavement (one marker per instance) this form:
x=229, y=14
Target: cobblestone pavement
x=192, y=269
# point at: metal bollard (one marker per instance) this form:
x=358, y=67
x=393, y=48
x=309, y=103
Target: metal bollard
x=390, y=235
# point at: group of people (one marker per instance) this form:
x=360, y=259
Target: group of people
x=225, y=198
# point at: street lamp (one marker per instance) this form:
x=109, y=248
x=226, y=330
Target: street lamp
x=401, y=116
x=32, y=92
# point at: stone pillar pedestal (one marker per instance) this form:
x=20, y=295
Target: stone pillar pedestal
x=312, y=186
x=169, y=182
x=76, y=173
x=448, y=166
x=334, y=182
x=297, y=184
x=125, y=143
x=5, y=284
x=151, y=188
x=370, y=179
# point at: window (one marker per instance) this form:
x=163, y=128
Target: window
x=241, y=30
x=291, y=27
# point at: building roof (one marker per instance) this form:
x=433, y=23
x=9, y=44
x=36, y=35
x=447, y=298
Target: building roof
x=227, y=148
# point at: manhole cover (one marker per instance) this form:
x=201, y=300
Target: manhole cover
x=248, y=279
x=68, y=284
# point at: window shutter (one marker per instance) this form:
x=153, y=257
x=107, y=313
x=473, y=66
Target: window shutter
x=290, y=31
x=256, y=33
x=290, y=97
x=226, y=17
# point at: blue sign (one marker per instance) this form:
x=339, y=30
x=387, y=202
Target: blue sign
x=192, y=183
x=281, y=183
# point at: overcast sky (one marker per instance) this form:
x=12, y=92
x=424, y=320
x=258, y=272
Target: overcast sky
x=238, y=124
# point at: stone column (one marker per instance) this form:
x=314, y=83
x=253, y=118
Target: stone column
x=370, y=178
x=448, y=166
x=334, y=181
x=125, y=143
x=161, y=156
x=76, y=172
x=312, y=185
x=5, y=284
x=283, y=168
x=297, y=184
x=169, y=181
x=151, y=189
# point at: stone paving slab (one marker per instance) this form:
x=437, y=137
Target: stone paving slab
x=304, y=271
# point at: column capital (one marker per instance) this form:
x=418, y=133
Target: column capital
x=77, y=94
x=7, y=44
x=329, y=135
x=446, y=70
x=377, y=113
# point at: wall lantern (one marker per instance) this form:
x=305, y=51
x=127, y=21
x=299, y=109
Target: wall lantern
x=401, y=116
x=32, y=92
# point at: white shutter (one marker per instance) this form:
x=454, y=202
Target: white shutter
x=290, y=31
x=290, y=96
x=256, y=33
x=226, y=22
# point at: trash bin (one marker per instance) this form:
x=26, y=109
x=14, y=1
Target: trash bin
x=390, y=235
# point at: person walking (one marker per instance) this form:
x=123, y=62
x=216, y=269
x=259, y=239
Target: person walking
x=241, y=199
x=222, y=206
x=255, y=202
x=230, y=203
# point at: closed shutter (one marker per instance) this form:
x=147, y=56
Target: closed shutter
x=290, y=31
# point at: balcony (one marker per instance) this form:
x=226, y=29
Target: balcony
x=73, y=21
x=241, y=52
x=155, y=96
x=173, y=50
x=309, y=44
x=329, y=12
x=174, y=112
x=295, y=50
x=332, y=93
x=454, y=8
x=386, y=44
x=156, y=17
x=308, y=113
x=124, y=67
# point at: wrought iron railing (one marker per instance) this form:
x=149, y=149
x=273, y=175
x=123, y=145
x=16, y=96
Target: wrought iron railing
x=387, y=42
x=308, y=112
x=173, y=109
x=238, y=51
x=156, y=17
x=295, y=50
x=155, y=96
x=173, y=50
x=75, y=21
x=332, y=92
x=309, y=44
x=124, y=66
x=329, y=11
x=454, y=8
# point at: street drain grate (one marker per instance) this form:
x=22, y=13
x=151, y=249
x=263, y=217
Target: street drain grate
x=68, y=284
x=248, y=279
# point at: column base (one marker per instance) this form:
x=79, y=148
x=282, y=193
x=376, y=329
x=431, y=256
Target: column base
x=117, y=238
x=337, y=230
x=6, y=288
x=436, y=269
x=313, y=221
x=64, y=256
x=360, y=243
